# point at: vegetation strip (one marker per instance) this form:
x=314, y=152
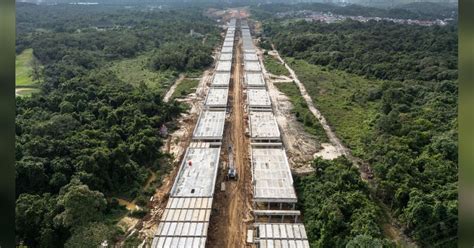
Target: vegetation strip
x=392, y=98
x=91, y=133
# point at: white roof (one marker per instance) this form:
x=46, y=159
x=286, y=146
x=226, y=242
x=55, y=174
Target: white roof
x=226, y=50
x=181, y=242
x=247, y=42
x=272, y=175
x=184, y=223
x=258, y=98
x=224, y=65
x=282, y=235
x=189, y=202
x=228, y=43
x=250, y=56
x=210, y=125
x=254, y=79
x=221, y=79
x=197, y=174
x=225, y=56
x=263, y=125
x=186, y=215
x=217, y=97
x=252, y=66
x=249, y=50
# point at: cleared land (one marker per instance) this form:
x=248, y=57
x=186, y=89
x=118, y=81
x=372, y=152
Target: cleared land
x=186, y=87
x=301, y=111
x=24, y=73
x=24, y=68
x=136, y=71
x=274, y=66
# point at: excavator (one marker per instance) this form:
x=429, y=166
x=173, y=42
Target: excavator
x=231, y=172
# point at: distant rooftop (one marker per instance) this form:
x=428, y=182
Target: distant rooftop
x=217, y=97
x=254, y=79
x=226, y=50
x=249, y=50
x=250, y=56
x=258, y=98
x=252, y=66
x=263, y=125
x=225, y=56
x=228, y=43
x=221, y=79
x=224, y=65
x=210, y=125
x=282, y=235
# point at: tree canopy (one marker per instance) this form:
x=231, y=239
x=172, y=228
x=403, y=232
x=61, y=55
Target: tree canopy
x=410, y=135
x=337, y=207
x=87, y=136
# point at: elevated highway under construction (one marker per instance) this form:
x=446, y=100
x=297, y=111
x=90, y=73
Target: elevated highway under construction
x=236, y=131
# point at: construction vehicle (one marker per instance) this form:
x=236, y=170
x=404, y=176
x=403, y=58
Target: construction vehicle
x=231, y=172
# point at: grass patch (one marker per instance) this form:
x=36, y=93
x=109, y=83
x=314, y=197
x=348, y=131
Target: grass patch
x=25, y=91
x=194, y=74
x=186, y=87
x=132, y=241
x=301, y=111
x=274, y=66
x=342, y=99
x=136, y=71
x=24, y=68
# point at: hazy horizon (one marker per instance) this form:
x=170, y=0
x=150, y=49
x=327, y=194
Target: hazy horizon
x=384, y=3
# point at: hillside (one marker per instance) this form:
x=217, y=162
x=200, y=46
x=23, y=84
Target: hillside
x=87, y=142
x=389, y=91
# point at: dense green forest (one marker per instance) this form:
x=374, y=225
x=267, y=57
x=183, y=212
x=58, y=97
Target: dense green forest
x=382, y=50
x=88, y=136
x=338, y=210
x=415, y=11
x=390, y=91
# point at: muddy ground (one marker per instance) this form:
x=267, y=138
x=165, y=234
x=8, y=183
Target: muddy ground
x=232, y=207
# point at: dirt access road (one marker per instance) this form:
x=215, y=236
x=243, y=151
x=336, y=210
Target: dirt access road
x=176, y=145
x=232, y=208
x=392, y=229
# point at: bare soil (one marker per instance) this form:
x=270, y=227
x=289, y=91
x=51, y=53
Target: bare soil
x=335, y=149
x=173, y=88
x=232, y=208
x=301, y=147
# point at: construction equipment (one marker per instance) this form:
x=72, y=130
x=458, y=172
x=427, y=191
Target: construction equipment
x=231, y=172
